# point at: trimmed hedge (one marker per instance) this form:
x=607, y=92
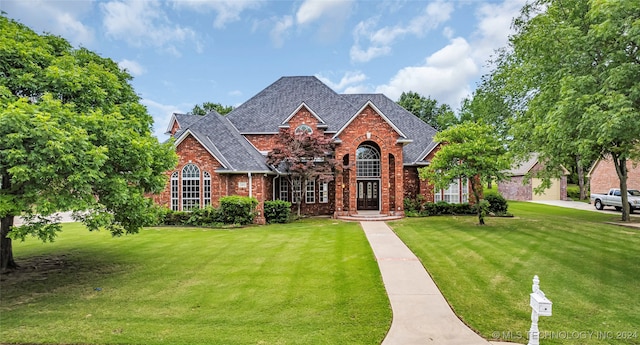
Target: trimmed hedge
x=277, y=211
x=236, y=210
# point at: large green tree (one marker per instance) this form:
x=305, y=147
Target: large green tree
x=439, y=116
x=572, y=75
x=470, y=150
x=73, y=137
x=206, y=107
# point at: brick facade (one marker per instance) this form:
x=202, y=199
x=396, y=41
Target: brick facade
x=354, y=121
x=603, y=176
x=517, y=187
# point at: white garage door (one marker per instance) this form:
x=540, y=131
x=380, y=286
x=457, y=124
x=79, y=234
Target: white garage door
x=552, y=193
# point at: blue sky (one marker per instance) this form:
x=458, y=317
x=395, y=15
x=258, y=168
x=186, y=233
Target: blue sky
x=182, y=53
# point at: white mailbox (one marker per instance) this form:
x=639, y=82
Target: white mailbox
x=540, y=303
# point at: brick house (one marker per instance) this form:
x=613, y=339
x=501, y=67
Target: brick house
x=521, y=183
x=602, y=176
x=379, y=144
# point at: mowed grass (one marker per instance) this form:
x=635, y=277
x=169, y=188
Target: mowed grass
x=309, y=282
x=590, y=270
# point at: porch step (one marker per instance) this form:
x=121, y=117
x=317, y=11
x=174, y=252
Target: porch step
x=369, y=217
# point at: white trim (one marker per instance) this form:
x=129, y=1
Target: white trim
x=423, y=156
x=303, y=104
x=171, y=122
x=380, y=113
x=188, y=132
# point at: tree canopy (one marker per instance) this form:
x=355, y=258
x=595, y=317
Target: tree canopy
x=73, y=137
x=206, y=107
x=572, y=76
x=439, y=116
x=302, y=157
x=469, y=150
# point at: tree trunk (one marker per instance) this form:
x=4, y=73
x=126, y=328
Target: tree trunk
x=580, y=170
x=6, y=248
x=476, y=195
x=621, y=169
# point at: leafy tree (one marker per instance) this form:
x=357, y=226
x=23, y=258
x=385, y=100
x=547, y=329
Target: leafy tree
x=209, y=106
x=73, y=137
x=428, y=110
x=303, y=157
x=572, y=71
x=470, y=150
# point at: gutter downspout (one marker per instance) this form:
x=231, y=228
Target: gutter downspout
x=250, y=185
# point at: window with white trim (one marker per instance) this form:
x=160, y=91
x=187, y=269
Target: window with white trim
x=206, y=189
x=174, y=191
x=323, y=192
x=303, y=129
x=452, y=194
x=297, y=191
x=456, y=193
x=284, y=190
x=367, y=161
x=464, y=191
x=190, y=187
x=310, y=192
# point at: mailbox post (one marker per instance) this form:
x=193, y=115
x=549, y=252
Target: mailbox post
x=540, y=306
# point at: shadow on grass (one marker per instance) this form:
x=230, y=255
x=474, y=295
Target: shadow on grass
x=43, y=274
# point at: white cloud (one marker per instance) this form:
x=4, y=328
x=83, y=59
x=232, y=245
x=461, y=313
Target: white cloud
x=380, y=41
x=444, y=76
x=143, y=23
x=280, y=30
x=161, y=114
x=56, y=17
x=349, y=78
x=313, y=10
x=133, y=67
x=227, y=10
x=494, y=27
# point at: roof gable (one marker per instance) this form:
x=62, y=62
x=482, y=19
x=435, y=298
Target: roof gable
x=377, y=111
x=302, y=106
x=225, y=143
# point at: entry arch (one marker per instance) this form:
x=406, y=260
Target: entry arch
x=368, y=174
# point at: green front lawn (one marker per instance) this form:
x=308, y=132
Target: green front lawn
x=588, y=269
x=310, y=282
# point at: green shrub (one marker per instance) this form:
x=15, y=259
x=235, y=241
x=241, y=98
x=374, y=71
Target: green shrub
x=497, y=203
x=176, y=217
x=277, y=211
x=573, y=192
x=206, y=216
x=238, y=209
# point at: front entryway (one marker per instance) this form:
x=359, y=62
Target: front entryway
x=368, y=195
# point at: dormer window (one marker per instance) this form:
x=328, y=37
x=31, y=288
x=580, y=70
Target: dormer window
x=303, y=129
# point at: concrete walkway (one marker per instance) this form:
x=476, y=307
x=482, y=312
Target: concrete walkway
x=421, y=315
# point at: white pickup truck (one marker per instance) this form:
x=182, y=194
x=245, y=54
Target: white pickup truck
x=614, y=199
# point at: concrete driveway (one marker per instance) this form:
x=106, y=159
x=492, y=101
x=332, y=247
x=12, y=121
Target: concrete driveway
x=578, y=205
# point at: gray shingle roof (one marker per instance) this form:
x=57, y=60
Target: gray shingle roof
x=267, y=110
x=222, y=139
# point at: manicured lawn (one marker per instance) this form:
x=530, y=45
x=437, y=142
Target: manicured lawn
x=588, y=269
x=310, y=282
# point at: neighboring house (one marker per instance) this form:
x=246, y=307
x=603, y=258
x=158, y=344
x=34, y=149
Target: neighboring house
x=603, y=176
x=520, y=185
x=379, y=145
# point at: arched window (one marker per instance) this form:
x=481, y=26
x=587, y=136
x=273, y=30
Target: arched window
x=174, y=191
x=367, y=161
x=190, y=187
x=206, y=189
x=303, y=129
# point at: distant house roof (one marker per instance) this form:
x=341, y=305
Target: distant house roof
x=525, y=167
x=272, y=107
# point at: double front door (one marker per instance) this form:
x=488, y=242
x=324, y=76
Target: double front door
x=368, y=194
